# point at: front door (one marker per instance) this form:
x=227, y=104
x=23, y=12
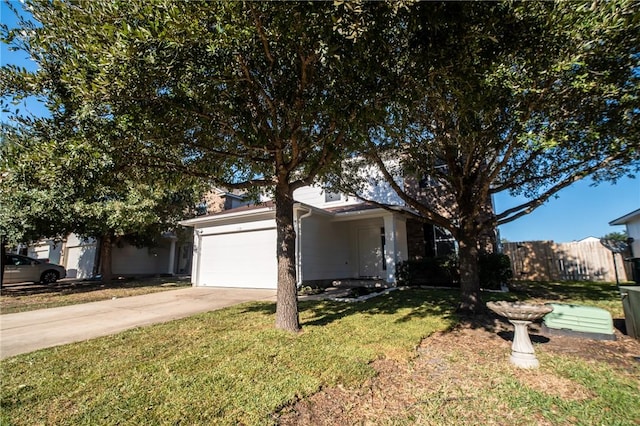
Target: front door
x=371, y=252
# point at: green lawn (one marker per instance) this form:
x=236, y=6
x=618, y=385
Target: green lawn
x=29, y=297
x=600, y=294
x=225, y=367
x=232, y=367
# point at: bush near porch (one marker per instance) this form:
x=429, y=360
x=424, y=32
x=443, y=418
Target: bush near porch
x=494, y=270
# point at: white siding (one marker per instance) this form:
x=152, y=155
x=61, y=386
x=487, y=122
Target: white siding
x=315, y=196
x=46, y=250
x=325, y=250
x=378, y=188
x=74, y=240
x=633, y=231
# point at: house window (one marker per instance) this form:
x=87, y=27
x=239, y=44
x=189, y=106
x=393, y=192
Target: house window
x=425, y=182
x=331, y=196
x=438, y=241
x=201, y=209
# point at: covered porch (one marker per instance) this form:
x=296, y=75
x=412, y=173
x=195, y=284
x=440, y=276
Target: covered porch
x=359, y=242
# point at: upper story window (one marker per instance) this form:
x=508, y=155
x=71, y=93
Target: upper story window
x=332, y=196
x=201, y=208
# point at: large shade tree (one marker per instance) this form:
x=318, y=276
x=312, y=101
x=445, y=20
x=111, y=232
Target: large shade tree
x=242, y=94
x=526, y=98
x=53, y=184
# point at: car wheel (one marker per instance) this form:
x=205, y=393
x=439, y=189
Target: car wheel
x=49, y=277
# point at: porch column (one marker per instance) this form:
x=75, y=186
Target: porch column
x=172, y=256
x=390, y=247
x=402, y=246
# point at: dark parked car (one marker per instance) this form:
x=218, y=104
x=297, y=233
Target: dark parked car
x=19, y=269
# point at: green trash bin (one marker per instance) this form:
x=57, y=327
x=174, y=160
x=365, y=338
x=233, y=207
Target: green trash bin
x=631, y=305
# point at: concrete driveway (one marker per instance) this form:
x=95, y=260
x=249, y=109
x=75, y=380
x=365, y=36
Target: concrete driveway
x=29, y=331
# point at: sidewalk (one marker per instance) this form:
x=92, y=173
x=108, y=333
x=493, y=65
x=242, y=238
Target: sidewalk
x=29, y=331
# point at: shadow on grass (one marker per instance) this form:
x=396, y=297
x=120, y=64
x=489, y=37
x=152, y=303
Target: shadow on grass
x=579, y=292
x=81, y=286
x=421, y=303
x=565, y=290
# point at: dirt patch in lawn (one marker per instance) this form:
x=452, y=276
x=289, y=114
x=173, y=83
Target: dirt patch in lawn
x=455, y=369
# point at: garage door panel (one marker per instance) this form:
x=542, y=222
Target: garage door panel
x=243, y=259
x=80, y=261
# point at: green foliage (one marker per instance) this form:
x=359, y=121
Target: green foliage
x=494, y=270
x=616, y=236
x=430, y=271
x=481, y=97
x=55, y=184
x=240, y=94
x=505, y=96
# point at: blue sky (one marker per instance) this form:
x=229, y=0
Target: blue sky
x=578, y=212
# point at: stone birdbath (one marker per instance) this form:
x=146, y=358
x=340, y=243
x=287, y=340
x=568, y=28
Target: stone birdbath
x=521, y=315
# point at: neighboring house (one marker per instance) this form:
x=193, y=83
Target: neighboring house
x=589, y=240
x=632, y=223
x=80, y=256
x=219, y=199
x=338, y=238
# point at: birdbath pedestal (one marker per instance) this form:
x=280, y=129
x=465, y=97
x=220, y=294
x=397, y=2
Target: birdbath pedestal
x=521, y=315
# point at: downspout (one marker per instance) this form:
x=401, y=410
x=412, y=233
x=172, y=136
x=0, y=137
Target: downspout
x=299, y=245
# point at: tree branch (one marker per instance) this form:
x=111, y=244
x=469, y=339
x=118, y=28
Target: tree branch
x=514, y=213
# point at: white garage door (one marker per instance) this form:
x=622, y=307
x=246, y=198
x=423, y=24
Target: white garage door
x=80, y=261
x=243, y=259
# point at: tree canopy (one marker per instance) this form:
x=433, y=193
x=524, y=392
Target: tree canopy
x=241, y=94
x=55, y=184
x=526, y=98
x=468, y=98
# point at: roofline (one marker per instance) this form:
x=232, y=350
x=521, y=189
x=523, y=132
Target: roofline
x=248, y=213
x=626, y=218
x=315, y=210
x=372, y=212
x=221, y=216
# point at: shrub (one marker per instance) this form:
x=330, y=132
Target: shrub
x=494, y=270
x=431, y=271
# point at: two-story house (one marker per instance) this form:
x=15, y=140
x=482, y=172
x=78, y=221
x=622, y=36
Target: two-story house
x=338, y=237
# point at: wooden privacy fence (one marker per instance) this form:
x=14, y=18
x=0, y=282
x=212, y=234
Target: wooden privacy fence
x=576, y=261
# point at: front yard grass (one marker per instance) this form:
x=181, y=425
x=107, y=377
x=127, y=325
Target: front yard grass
x=225, y=367
x=28, y=297
x=603, y=295
x=232, y=367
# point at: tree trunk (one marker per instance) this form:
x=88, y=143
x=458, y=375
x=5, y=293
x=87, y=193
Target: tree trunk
x=470, y=298
x=105, y=257
x=287, y=296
